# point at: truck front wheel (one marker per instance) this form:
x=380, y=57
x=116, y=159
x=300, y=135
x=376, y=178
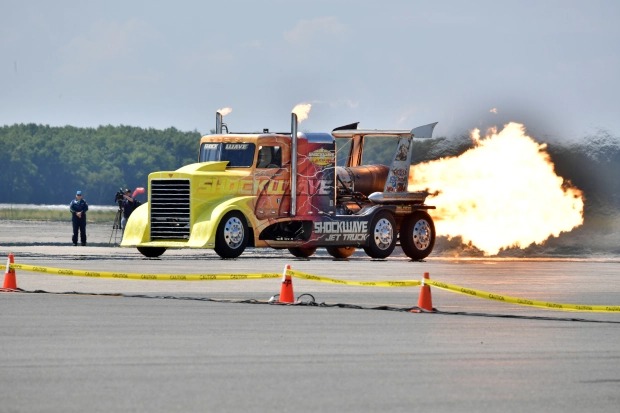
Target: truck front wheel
x=382, y=239
x=340, y=252
x=417, y=235
x=151, y=252
x=302, y=252
x=232, y=235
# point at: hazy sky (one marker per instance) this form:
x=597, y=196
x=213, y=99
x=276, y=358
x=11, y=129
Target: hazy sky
x=552, y=65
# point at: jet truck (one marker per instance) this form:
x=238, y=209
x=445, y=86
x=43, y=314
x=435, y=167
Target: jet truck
x=285, y=191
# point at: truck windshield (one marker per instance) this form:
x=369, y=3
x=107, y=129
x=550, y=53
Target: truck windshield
x=238, y=155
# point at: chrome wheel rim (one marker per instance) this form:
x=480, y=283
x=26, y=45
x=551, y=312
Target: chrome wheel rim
x=233, y=232
x=383, y=234
x=422, y=234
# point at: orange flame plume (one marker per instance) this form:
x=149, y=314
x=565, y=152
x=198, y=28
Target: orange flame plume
x=224, y=111
x=302, y=110
x=502, y=193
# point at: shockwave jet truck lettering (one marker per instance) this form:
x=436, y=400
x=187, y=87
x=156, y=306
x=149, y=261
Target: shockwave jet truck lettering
x=284, y=190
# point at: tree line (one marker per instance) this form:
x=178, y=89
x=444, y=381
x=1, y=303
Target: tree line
x=46, y=165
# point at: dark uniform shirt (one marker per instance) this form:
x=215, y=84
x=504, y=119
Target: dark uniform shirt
x=78, y=206
x=128, y=207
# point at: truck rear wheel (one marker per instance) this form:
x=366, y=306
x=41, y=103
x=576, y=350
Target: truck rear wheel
x=151, y=252
x=417, y=235
x=382, y=239
x=302, y=252
x=232, y=235
x=340, y=252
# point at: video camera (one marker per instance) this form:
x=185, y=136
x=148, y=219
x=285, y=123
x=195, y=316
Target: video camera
x=118, y=197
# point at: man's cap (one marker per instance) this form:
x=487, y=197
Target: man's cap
x=127, y=190
x=78, y=193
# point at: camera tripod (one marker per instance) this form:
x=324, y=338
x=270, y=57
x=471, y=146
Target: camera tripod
x=116, y=226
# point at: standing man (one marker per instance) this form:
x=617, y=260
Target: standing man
x=78, y=208
x=129, y=204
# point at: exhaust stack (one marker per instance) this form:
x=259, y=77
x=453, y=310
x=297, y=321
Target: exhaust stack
x=218, y=122
x=294, y=123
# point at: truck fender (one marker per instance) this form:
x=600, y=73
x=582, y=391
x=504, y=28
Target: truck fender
x=137, y=228
x=205, y=226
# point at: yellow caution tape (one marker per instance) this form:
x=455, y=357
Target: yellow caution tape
x=521, y=301
x=149, y=277
x=404, y=283
x=297, y=274
x=208, y=277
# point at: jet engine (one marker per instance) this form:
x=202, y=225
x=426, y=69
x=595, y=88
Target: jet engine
x=364, y=179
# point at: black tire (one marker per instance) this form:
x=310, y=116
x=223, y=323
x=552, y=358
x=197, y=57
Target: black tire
x=340, y=252
x=232, y=235
x=417, y=235
x=151, y=252
x=302, y=252
x=382, y=237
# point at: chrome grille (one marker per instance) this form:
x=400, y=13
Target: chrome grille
x=170, y=209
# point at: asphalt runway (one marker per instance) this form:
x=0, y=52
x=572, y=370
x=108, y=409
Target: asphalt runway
x=76, y=344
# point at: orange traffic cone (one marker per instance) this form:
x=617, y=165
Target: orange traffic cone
x=425, y=301
x=10, y=281
x=286, y=291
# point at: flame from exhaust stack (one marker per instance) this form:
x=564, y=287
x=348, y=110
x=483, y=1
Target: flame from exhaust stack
x=502, y=193
x=302, y=110
x=224, y=111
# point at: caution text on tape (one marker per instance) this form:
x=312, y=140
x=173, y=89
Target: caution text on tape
x=521, y=301
x=404, y=283
x=138, y=276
